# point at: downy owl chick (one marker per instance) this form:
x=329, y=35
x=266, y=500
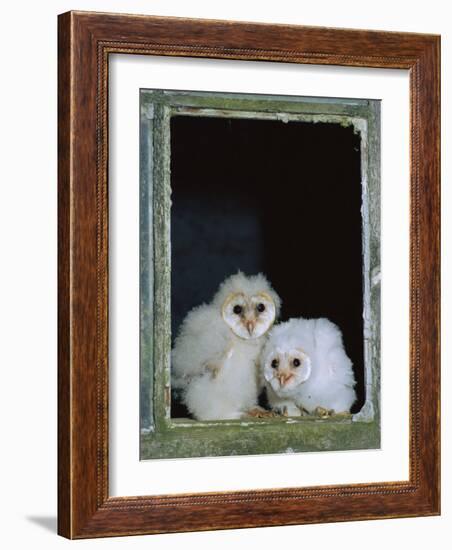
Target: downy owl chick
x=214, y=360
x=305, y=368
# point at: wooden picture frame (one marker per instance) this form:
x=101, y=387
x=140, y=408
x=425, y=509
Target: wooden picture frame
x=85, y=508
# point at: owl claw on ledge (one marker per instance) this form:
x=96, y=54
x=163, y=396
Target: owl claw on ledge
x=323, y=413
x=259, y=412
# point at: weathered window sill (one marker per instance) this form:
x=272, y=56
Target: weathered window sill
x=189, y=438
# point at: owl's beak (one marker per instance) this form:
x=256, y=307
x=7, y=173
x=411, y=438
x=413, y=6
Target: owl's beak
x=250, y=327
x=284, y=377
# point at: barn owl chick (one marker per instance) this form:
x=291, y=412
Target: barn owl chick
x=305, y=368
x=214, y=359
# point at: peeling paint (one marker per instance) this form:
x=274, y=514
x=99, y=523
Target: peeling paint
x=283, y=117
x=366, y=414
x=359, y=124
x=376, y=276
x=147, y=111
x=360, y=127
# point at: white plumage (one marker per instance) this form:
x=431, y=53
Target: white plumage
x=304, y=367
x=214, y=359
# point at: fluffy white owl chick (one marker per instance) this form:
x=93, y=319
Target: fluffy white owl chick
x=214, y=359
x=305, y=368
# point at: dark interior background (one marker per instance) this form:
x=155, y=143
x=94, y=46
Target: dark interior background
x=273, y=197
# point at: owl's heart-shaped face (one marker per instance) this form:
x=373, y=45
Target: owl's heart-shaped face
x=249, y=317
x=286, y=370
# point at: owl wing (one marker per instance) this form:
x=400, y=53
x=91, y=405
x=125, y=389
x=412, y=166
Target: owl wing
x=203, y=337
x=328, y=338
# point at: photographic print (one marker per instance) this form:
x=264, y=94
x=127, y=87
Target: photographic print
x=259, y=274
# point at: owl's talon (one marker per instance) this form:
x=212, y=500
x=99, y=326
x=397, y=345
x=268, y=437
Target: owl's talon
x=323, y=413
x=259, y=412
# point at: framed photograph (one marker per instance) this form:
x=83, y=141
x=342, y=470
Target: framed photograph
x=248, y=274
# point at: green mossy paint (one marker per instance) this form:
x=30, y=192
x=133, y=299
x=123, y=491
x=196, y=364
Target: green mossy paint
x=259, y=437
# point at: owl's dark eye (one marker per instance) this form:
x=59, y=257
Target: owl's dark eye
x=275, y=363
x=237, y=309
x=260, y=308
x=296, y=363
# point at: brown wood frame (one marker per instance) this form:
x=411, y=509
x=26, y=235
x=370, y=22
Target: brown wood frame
x=85, y=42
